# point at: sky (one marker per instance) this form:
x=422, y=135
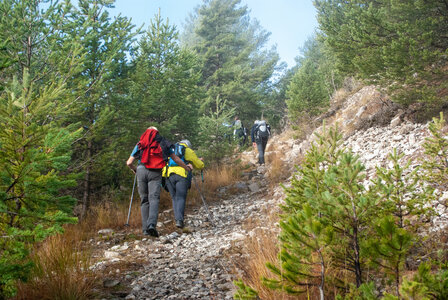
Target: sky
x=290, y=22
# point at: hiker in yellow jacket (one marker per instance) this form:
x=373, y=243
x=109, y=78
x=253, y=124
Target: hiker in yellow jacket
x=178, y=180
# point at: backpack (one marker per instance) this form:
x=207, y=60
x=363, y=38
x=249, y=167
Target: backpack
x=152, y=154
x=179, y=150
x=238, y=124
x=262, y=131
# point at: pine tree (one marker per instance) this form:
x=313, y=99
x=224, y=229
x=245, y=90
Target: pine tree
x=404, y=207
x=35, y=40
x=400, y=45
x=349, y=208
x=274, y=104
x=105, y=44
x=427, y=283
x=326, y=216
x=165, y=83
x=244, y=291
x=315, y=80
x=435, y=163
x=403, y=204
x=5, y=61
x=303, y=258
x=235, y=66
x=35, y=147
x=214, y=136
x=33, y=156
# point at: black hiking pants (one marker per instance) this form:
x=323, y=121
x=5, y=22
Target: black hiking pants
x=261, y=146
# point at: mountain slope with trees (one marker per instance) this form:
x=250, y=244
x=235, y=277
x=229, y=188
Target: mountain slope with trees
x=78, y=87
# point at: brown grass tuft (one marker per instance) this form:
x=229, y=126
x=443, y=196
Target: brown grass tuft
x=61, y=270
x=276, y=169
x=214, y=178
x=304, y=127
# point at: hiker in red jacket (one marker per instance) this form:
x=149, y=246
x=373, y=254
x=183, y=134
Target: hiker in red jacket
x=152, y=152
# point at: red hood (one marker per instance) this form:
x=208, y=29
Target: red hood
x=147, y=140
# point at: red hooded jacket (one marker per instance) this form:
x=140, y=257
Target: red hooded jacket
x=152, y=155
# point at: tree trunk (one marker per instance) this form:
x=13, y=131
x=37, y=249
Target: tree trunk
x=357, y=266
x=86, y=196
x=322, y=276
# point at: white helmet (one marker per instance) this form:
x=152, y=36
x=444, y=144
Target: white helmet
x=186, y=142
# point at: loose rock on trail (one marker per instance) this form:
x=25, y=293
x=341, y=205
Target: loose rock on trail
x=194, y=263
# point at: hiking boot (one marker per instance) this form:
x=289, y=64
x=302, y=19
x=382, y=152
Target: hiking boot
x=151, y=231
x=179, y=224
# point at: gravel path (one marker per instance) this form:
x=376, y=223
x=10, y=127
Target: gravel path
x=196, y=263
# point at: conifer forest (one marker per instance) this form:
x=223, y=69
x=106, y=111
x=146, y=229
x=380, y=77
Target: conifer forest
x=78, y=87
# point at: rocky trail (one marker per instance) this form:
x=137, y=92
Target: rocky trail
x=194, y=263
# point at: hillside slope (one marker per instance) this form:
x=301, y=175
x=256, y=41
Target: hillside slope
x=201, y=263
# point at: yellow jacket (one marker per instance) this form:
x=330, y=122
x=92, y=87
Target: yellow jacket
x=190, y=157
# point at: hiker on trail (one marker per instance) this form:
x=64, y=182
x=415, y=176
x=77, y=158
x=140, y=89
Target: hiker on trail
x=239, y=132
x=260, y=134
x=152, y=152
x=178, y=180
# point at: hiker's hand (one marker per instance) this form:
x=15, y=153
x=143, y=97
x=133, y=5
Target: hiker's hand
x=130, y=165
x=190, y=166
x=254, y=144
x=201, y=158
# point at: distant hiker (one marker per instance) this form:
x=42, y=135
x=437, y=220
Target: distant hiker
x=227, y=135
x=152, y=152
x=178, y=180
x=260, y=134
x=239, y=132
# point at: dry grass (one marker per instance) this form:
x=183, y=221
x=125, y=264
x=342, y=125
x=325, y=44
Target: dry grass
x=286, y=135
x=62, y=261
x=220, y=176
x=338, y=98
x=114, y=214
x=276, y=169
x=61, y=272
x=304, y=127
x=214, y=178
x=263, y=248
x=110, y=214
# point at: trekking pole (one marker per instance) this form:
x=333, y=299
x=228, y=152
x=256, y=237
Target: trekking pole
x=132, y=197
x=203, y=201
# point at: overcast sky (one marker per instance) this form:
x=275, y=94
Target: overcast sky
x=290, y=22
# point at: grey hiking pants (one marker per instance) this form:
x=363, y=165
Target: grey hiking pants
x=149, y=190
x=178, y=187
